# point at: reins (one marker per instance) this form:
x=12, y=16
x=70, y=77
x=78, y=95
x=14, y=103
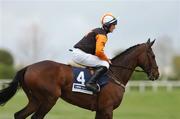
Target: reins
x=120, y=66
x=116, y=79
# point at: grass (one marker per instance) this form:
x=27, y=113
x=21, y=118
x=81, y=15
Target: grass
x=135, y=105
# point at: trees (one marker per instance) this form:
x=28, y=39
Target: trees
x=176, y=67
x=6, y=57
x=6, y=64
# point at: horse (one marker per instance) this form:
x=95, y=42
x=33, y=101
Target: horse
x=47, y=81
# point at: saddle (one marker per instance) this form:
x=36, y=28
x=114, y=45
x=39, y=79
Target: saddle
x=74, y=64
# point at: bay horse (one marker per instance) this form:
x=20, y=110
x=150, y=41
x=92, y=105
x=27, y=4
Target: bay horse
x=46, y=81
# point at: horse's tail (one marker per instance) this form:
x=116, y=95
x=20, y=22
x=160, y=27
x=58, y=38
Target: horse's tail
x=7, y=93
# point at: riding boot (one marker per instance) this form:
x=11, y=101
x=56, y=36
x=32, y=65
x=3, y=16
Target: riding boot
x=91, y=84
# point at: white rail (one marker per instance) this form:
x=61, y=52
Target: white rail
x=4, y=83
x=142, y=86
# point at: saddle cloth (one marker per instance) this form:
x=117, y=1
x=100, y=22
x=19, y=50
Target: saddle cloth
x=82, y=75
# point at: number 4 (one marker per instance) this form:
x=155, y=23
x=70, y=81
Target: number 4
x=80, y=77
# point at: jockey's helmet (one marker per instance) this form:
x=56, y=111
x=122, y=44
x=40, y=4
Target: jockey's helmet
x=107, y=20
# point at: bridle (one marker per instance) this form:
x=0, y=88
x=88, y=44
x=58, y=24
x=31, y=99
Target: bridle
x=150, y=64
x=147, y=70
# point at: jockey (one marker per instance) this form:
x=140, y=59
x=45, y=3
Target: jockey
x=89, y=51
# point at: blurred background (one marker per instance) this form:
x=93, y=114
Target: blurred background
x=36, y=30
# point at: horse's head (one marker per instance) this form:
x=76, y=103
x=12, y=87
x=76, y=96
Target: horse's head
x=147, y=61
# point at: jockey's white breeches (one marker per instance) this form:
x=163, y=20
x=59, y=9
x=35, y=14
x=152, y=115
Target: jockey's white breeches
x=86, y=59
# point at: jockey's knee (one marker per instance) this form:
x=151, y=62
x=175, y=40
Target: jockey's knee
x=105, y=64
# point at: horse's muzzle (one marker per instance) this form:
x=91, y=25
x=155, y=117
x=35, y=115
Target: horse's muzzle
x=153, y=76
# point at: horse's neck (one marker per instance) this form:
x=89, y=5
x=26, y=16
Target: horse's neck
x=129, y=63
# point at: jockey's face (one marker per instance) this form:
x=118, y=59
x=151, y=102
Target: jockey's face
x=112, y=27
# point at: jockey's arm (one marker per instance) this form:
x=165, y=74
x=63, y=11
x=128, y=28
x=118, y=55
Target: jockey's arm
x=100, y=44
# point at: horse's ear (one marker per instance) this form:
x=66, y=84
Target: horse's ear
x=149, y=41
x=152, y=42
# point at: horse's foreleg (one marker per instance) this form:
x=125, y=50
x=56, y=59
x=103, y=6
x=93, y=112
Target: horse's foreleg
x=104, y=114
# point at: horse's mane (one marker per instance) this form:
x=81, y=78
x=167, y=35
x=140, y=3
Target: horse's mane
x=126, y=51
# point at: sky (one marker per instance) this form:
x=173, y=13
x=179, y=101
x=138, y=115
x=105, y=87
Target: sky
x=62, y=23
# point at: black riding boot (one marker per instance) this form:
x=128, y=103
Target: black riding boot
x=91, y=84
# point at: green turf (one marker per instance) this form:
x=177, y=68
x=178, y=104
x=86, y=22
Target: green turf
x=135, y=105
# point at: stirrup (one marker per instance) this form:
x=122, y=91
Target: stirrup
x=99, y=88
x=91, y=87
